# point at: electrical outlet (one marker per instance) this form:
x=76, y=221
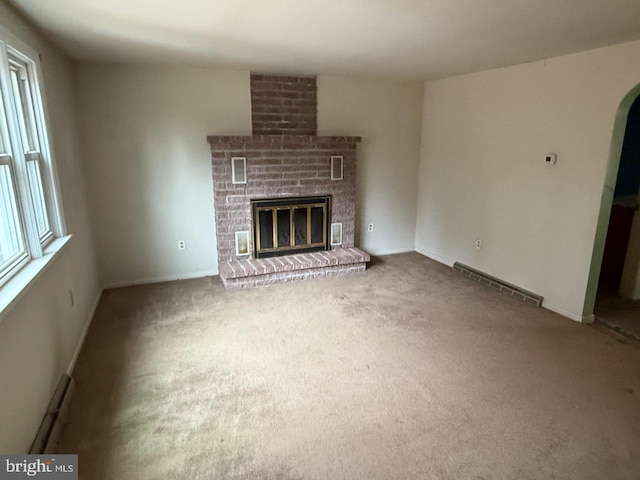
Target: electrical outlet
x=182, y=245
x=370, y=227
x=478, y=243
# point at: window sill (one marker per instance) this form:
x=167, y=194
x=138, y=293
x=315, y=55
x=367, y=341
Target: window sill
x=20, y=284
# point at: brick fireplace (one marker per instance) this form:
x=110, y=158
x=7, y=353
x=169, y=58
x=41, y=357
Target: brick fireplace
x=282, y=162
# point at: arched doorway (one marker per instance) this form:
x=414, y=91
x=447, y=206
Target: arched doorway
x=615, y=263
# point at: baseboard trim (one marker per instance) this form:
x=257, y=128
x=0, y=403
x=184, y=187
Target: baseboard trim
x=435, y=256
x=382, y=253
x=520, y=293
x=162, y=279
x=83, y=336
x=54, y=417
x=565, y=313
x=61, y=419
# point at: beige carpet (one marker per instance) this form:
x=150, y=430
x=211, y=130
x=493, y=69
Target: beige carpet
x=407, y=371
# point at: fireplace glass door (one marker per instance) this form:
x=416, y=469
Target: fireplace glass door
x=290, y=225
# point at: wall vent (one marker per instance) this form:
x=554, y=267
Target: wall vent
x=53, y=420
x=500, y=285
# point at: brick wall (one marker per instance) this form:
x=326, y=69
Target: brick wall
x=283, y=105
x=280, y=166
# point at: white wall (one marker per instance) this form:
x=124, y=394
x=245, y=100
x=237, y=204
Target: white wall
x=387, y=114
x=149, y=164
x=482, y=170
x=39, y=335
x=149, y=168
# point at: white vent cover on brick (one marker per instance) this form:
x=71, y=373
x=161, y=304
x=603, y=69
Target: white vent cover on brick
x=336, y=234
x=337, y=167
x=242, y=243
x=239, y=170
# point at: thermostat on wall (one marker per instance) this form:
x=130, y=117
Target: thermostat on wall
x=550, y=158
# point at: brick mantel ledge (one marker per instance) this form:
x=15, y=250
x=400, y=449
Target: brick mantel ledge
x=280, y=140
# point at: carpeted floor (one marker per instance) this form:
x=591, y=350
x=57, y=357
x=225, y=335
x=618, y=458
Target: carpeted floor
x=406, y=371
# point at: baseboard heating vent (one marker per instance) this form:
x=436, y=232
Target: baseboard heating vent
x=53, y=420
x=497, y=284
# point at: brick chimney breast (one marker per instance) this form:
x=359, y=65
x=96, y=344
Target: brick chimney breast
x=283, y=166
x=283, y=105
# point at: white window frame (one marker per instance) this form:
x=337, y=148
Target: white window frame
x=37, y=243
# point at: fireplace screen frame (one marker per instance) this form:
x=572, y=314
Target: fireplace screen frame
x=291, y=204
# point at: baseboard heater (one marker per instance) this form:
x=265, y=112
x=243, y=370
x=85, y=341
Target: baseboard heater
x=53, y=420
x=500, y=285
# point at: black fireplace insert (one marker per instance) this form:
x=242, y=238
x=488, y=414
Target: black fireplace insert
x=283, y=226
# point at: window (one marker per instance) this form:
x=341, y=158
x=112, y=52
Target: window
x=30, y=214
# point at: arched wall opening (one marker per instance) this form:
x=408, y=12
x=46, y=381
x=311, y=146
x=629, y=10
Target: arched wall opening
x=606, y=203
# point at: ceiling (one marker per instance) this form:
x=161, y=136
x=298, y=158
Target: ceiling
x=413, y=39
